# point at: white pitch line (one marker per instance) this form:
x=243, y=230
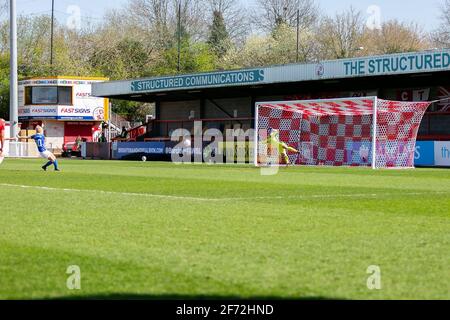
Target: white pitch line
x=128, y=194
x=300, y=197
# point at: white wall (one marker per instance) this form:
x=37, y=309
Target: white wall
x=7, y=135
x=54, y=131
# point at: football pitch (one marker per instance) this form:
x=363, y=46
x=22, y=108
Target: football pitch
x=156, y=230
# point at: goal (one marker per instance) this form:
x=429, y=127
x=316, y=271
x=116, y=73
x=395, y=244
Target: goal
x=363, y=132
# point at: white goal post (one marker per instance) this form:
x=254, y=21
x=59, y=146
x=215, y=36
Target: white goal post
x=354, y=132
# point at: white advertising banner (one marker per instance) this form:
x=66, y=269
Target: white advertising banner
x=29, y=112
x=81, y=113
x=79, y=104
x=87, y=107
x=392, y=64
x=442, y=153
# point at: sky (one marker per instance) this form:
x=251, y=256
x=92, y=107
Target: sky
x=425, y=13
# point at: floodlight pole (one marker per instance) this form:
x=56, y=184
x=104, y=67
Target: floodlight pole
x=298, y=35
x=179, y=38
x=374, y=133
x=13, y=95
x=51, y=33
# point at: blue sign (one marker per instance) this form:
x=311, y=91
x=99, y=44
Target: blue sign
x=158, y=150
x=124, y=149
x=199, y=80
x=424, y=155
x=75, y=118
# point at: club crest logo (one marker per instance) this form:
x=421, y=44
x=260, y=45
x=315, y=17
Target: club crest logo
x=364, y=153
x=99, y=114
x=320, y=69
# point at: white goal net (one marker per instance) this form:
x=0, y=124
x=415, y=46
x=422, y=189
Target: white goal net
x=338, y=132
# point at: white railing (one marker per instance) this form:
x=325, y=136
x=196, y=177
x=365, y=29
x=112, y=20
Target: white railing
x=22, y=150
x=118, y=121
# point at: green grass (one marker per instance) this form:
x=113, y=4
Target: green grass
x=304, y=233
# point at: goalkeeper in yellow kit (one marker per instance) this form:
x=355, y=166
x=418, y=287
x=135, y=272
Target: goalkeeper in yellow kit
x=275, y=147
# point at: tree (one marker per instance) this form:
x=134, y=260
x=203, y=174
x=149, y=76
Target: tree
x=33, y=34
x=285, y=48
x=4, y=86
x=3, y=8
x=341, y=36
x=280, y=47
x=127, y=59
x=195, y=57
x=132, y=111
x=441, y=37
x=193, y=18
x=34, y=48
x=257, y=51
x=395, y=37
x=234, y=15
x=219, y=39
x=158, y=19
x=272, y=13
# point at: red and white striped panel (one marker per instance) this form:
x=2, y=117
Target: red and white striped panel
x=328, y=107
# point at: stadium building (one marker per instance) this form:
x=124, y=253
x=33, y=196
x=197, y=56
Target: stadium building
x=65, y=106
x=226, y=99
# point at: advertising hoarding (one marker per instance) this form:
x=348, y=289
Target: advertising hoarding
x=392, y=64
x=442, y=153
x=427, y=153
x=84, y=105
x=424, y=155
x=239, y=152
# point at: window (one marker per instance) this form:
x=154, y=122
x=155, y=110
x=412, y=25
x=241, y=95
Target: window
x=65, y=96
x=27, y=95
x=48, y=95
x=44, y=95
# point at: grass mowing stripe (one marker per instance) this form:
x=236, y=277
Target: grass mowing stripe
x=132, y=245
x=336, y=196
x=300, y=197
x=127, y=194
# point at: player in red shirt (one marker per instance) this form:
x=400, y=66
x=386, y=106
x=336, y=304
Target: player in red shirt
x=2, y=134
x=2, y=138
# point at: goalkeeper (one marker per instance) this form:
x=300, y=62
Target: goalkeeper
x=274, y=144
